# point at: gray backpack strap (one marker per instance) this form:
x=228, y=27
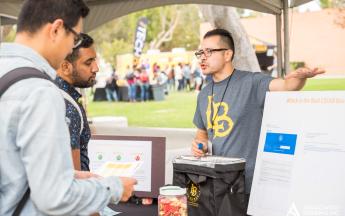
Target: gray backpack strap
x=19, y=74
x=74, y=103
x=7, y=81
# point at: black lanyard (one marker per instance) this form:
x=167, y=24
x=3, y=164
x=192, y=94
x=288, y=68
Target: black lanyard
x=221, y=101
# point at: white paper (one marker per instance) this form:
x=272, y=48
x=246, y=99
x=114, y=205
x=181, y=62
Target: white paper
x=305, y=178
x=124, y=151
x=124, y=169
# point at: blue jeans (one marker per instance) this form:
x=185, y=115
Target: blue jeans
x=144, y=90
x=132, y=91
x=111, y=95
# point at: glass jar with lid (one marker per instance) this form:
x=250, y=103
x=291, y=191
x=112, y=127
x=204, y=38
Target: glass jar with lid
x=172, y=201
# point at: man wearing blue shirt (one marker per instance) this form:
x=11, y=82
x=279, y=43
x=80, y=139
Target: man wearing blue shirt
x=35, y=148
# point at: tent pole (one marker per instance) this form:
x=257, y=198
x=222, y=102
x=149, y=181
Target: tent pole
x=0, y=31
x=286, y=37
x=279, y=45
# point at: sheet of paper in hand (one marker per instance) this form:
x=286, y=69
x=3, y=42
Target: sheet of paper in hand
x=124, y=169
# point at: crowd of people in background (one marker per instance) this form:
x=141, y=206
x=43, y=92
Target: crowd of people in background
x=140, y=80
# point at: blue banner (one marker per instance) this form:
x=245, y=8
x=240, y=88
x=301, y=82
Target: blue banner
x=280, y=143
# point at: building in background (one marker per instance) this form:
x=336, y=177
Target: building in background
x=315, y=38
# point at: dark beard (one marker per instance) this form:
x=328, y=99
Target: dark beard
x=79, y=83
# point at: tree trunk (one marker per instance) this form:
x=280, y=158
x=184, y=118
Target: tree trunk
x=227, y=18
x=167, y=30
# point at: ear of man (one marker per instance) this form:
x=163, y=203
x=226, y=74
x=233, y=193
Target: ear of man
x=66, y=68
x=228, y=55
x=55, y=29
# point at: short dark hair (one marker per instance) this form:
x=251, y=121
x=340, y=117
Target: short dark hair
x=36, y=13
x=87, y=42
x=225, y=36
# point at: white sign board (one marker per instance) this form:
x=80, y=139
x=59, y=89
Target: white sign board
x=124, y=151
x=300, y=166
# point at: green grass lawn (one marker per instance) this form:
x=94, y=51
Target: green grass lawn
x=324, y=84
x=177, y=110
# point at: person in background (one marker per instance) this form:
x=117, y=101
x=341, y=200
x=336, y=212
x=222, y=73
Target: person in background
x=131, y=81
x=197, y=79
x=159, y=77
x=186, y=70
x=111, y=87
x=179, y=77
x=171, y=77
x=144, y=84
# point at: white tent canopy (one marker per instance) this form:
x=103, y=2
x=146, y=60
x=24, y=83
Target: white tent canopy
x=103, y=11
x=7, y=20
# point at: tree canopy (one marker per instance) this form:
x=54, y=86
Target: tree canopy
x=168, y=27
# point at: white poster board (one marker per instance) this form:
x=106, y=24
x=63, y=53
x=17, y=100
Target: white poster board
x=124, y=151
x=300, y=166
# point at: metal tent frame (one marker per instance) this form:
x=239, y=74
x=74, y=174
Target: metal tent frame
x=103, y=11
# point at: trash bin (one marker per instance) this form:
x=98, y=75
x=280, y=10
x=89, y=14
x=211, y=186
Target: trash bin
x=99, y=95
x=123, y=93
x=215, y=185
x=158, y=92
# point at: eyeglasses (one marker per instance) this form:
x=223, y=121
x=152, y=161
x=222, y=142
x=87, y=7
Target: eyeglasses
x=207, y=52
x=77, y=37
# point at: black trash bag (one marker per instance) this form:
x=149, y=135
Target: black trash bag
x=215, y=185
